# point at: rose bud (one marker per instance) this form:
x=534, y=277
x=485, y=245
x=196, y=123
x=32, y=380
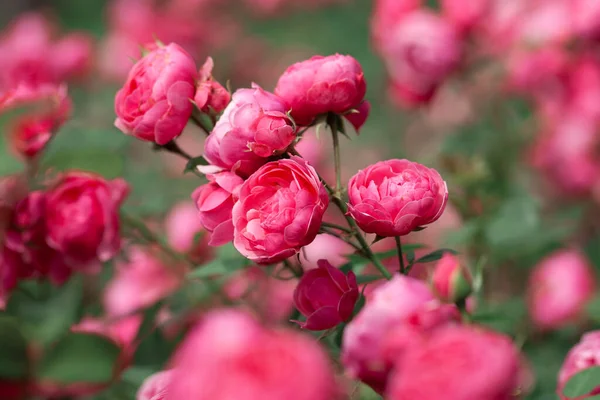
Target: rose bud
x=394, y=197
x=585, y=354
x=253, y=127
x=451, y=281
x=321, y=85
x=280, y=209
x=436, y=367
x=186, y=234
x=155, y=103
x=211, y=96
x=228, y=355
x=325, y=247
x=82, y=218
x=326, y=297
x=396, y=313
x=560, y=286
x=215, y=202
x=155, y=386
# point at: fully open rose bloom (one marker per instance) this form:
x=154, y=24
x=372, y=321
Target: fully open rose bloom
x=155, y=103
x=392, y=198
x=560, y=287
x=211, y=96
x=253, y=127
x=320, y=85
x=458, y=363
x=82, y=217
x=585, y=354
x=280, y=209
x=395, y=315
x=228, y=355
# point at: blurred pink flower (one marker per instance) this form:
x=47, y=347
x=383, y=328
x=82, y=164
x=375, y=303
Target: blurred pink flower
x=185, y=233
x=386, y=15
x=585, y=354
x=465, y=14
x=155, y=386
x=325, y=247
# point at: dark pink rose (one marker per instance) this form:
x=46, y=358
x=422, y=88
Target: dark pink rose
x=357, y=117
x=320, y=85
x=155, y=103
x=585, y=354
x=392, y=198
x=459, y=363
x=215, y=202
x=326, y=297
x=211, y=96
x=280, y=209
x=82, y=218
x=253, y=127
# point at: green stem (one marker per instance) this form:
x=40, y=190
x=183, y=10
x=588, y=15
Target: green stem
x=332, y=121
x=345, y=239
x=403, y=270
x=338, y=227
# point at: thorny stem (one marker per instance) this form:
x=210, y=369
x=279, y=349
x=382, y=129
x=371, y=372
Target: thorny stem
x=403, y=270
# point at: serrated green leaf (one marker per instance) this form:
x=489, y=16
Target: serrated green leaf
x=583, y=382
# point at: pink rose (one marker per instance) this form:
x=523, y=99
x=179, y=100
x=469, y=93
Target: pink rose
x=585, y=354
x=73, y=55
x=280, y=209
x=325, y=247
x=82, y=218
x=451, y=281
x=421, y=51
x=465, y=14
x=458, y=363
x=396, y=313
x=215, y=202
x=386, y=14
x=185, y=232
x=326, y=297
x=586, y=17
x=210, y=95
x=560, y=286
x=155, y=103
x=321, y=85
x=228, y=355
x=155, y=386
x=253, y=127
x=392, y=198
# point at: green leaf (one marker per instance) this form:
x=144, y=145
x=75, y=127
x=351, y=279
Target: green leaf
x=368, y=278
x=14, y=361
x=434, y=255
x=194, y=163
x=46, y=312
x=218, y=267
x=583, y=382
x=79, y=358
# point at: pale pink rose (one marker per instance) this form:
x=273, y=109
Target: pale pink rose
x=215, y=202
x=228, y=355
x=386, y=15
x=82, y=218
x=211, y=96
x=585, y=354
x=185, y=233
x=395, y=314
x=465, y=14
x=280, y=209
x=155, y=386
x=436, y=367
x=421, y=52
x=325, y=247
x=451, y=281
x=321, y=85
x=560, y=286
x=392, y=198
x=253, y=127
x=140, y=281
x=155, y=103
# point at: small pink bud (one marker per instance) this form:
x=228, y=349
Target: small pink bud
x=451, y=281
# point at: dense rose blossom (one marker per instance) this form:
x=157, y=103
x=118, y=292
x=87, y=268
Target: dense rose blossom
x=560, y=286
x=420, y=53
x=326, y=297
x=451, y=281
x=215, y=201
x=273, y=298
x=386, y=15
x=321, y=85
x=210, y=94
x=585, y=354
x=253, y=127
x=139, y=282
x=280, y=209
x=392, y=198
x=395, y=315
x=155, y=386
x=325, y=247
x=228, y=355
x=436, y=367
x=155, y=103
x=185, y=232
x=82, y=218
